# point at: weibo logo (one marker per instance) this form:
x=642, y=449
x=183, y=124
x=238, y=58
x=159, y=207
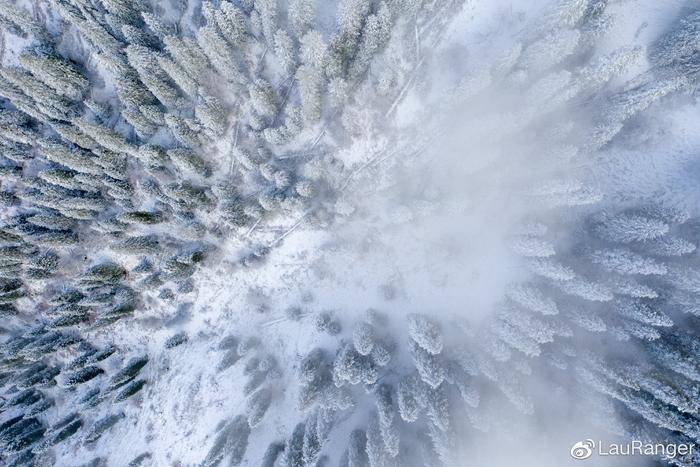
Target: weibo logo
x=583, y=449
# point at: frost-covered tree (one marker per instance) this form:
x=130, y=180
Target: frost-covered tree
x=59, y=74
x=231, y=443
x=425, y=333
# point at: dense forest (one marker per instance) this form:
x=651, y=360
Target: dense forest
x=300, y=233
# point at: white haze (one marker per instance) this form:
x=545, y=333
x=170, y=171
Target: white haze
x=429, y=219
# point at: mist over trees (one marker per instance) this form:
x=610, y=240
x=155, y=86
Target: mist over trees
x=179, y=180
